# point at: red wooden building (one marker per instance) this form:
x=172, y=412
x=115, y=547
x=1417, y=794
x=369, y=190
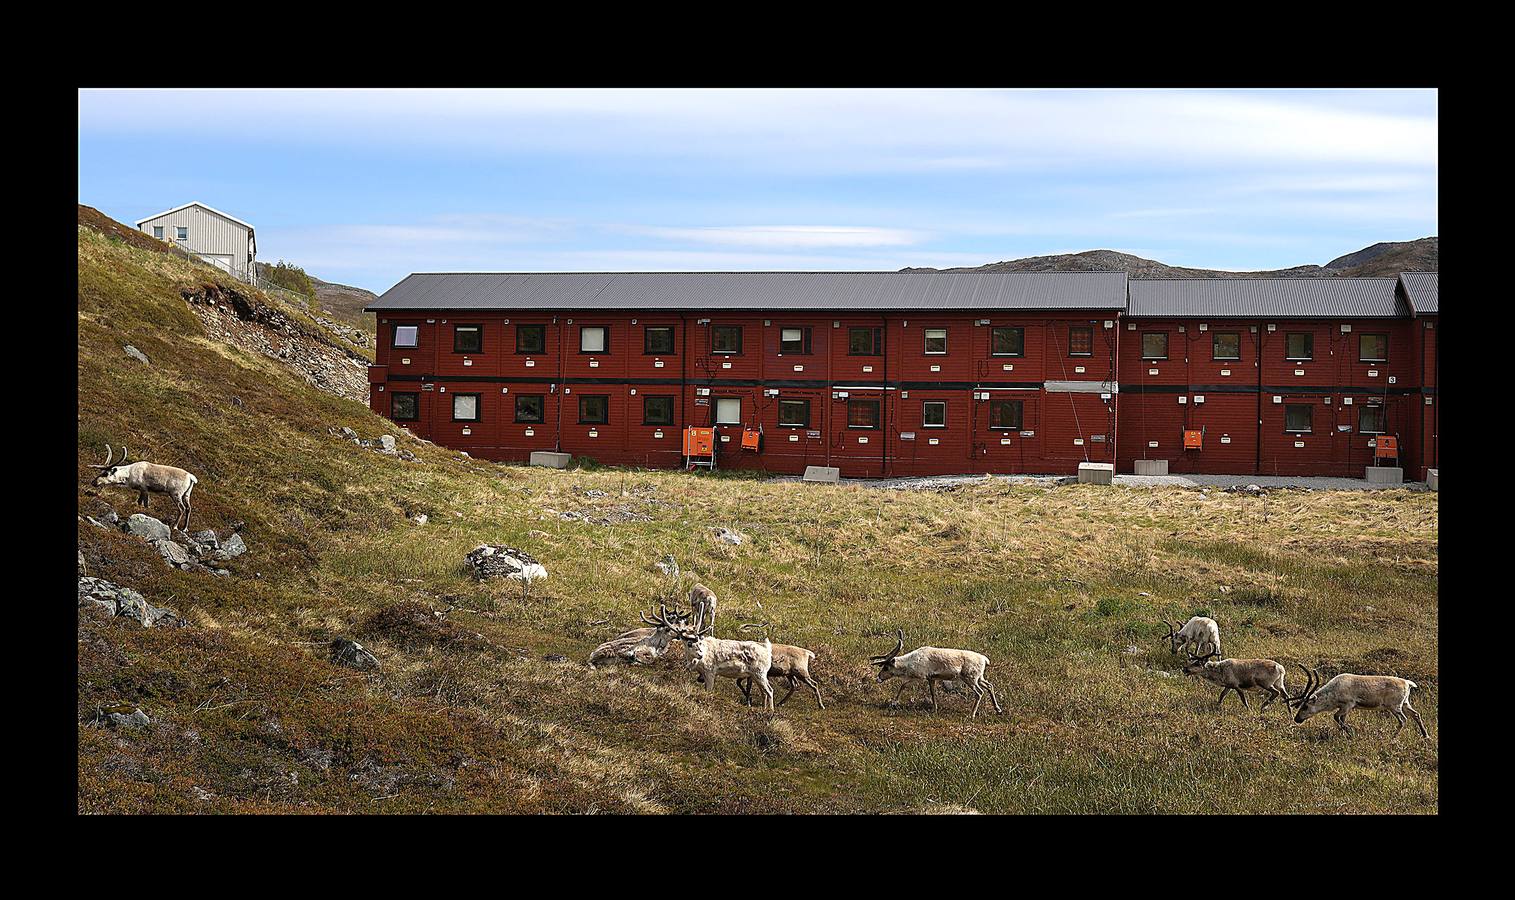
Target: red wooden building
x=904, y=373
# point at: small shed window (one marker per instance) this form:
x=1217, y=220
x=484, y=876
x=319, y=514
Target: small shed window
x=181, y=232
x=1373, y=348
x=465, y=407
x=1370, y=420
x=728, y=411
x=657, y=339
x=794, y=413
x=794, y=340
x=468, y=339
x=1299, y=345
x=405, y=407
x=1080, y=340
x=594, y=339
x=726, y=339
x=936, y=341
x=531, y=338
x=1154, y=345
x=1005, y=415
x=1008, y=341
x=405, y=335
x=1297, y=417
x=865, y=341
x=657, y=410
x=934, y=414
x=862, y=413
x=594, y=409
x=1226, y=345
x=158, y=232
x=529, y=407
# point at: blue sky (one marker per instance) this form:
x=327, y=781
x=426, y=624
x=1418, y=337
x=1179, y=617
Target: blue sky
x=364, y=187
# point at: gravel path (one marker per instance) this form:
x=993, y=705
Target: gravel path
x=1314, y=483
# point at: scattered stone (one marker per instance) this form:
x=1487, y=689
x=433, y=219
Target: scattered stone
x=176, y=555
x=349, y=433
x=1143, y=593
x=120, y=715
x=496, y=561
x=668, y=566
x=81, y=562
x=422, y=519
x=388, y=442
x=555, y=658
x=353, y=655
x=727, y=536
x=123, y=601
x=207, y=538
x=138, y=355
x=144, y=526
x=232, y=547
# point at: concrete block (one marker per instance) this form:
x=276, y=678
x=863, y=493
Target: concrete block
x=822, y=474
x=1385, y=475
x=551, y=459
x=1096, y=473
x=1151, y=467
x=1433, y=479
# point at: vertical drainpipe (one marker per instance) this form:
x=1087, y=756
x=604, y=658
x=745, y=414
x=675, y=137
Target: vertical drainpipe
x=1115, y=392
x=557, y=436
x=1258, y=435
x=830, y=402
x=683, y=380
x=884, y=454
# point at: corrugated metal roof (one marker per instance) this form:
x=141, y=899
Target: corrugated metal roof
x=1220, y=298
x=1420, y=288
x=758, y=290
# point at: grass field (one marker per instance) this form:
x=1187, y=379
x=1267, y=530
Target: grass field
x=1062, y=587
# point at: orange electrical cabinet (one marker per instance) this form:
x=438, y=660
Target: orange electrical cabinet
x=752, y=439
x=1386, y=446
x=1194, y=440
x=699, y=441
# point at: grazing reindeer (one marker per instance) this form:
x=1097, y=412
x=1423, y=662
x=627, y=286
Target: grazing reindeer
x=702, y=604
x=933, y=664
x=1345, y=693
x=789, y=662
x=143, y=477
x=1241, y=675
x=1198, y=632
x=711, y=656
x=641, y=646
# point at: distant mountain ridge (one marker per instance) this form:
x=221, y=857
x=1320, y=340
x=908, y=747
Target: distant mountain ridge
x=1380, y=260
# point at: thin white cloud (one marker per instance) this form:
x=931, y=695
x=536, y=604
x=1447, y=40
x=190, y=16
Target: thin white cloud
x=814, y=236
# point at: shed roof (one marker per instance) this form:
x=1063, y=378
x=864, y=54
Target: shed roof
x=1221, y=298
x=212, y=209
x=758, y=290
x=1420, y=290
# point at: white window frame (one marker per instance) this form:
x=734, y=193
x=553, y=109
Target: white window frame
x=604, y=331
x=942, y=404
x=158, y=232
x=181, y=232
x=926, y=336
x=717, y=412
x=413, y=344
x=478, y=401
x=804, y=400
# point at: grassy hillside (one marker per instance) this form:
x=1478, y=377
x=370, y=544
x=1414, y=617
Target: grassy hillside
x=1054, y=584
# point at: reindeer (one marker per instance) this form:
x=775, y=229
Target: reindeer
x=789, y=662
x=1197, y=632
x=702, y=603
x=143, y=477
x=641, y=646
x=1345, y=693
x=933, y=664
x=1240, y=675
x=712, y=656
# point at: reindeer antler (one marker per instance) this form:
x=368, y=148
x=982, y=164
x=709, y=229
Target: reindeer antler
x=109, y=454
x=900, y=645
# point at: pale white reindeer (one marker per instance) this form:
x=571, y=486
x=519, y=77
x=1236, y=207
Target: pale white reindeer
x=933, y=664
x=144, y=477
x=713, y=656
x=702, y=604
x=1346, y=692
x=1240, y=675
x=641, y=646
x=789, y=662
x=1199, y=632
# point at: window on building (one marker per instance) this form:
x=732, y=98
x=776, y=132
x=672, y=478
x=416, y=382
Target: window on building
x=181, y=232
x=531, y=338
x=657, y=410
x=1005, y=415
x=465, y=407
x=657, y=339
x=1299, y=345
x=594, y=409
x=936, y=341
x=726, y=339
x=862, y=413
x=406, y=335
x=934, y=414
x=1008, y=341
x=158, y=232
x=1154, y=345
x=468, y=339
x=594, y=339
x=404, y=407
x=1370, y=420
x=728, y=411
x=1297, y=417
x=529, y=407
x=1225, y=345
x=865, y=341
x=1373, y=348
x=794, y=413
x=1080, y=340
x=794, y=340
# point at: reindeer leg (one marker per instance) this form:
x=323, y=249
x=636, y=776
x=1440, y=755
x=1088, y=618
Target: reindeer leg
x=1272, y=695
x=1341, y=719
x=1402, y=719
x=1222, y=698
x=746, y=689
x=817, y=688
x=901, y=692
x=1418, y=724
x=791, y=690
x=992, y=695
x=979, y=702
x=1243, y=695
x=762, y=678
x=932, y=683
